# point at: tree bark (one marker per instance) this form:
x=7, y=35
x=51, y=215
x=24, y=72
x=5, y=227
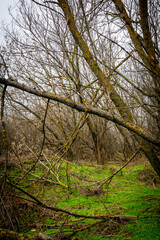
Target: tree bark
x=103, y=80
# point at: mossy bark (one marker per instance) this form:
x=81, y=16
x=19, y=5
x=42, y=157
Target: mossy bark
x=151, y=155
x=103, y=80
x=11, y=235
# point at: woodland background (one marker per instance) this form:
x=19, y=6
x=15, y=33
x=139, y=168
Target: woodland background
x=80, y=84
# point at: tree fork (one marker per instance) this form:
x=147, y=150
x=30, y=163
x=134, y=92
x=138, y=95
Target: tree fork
x=103, y=80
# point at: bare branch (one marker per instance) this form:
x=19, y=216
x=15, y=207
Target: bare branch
x=106, y=217
x=80, y=107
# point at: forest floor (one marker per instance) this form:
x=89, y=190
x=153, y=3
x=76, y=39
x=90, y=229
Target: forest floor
x=126, y=206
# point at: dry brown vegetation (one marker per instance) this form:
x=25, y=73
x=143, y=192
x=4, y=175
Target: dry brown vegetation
x=79, y=86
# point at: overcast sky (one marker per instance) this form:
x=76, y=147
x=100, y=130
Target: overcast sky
x=4, y=14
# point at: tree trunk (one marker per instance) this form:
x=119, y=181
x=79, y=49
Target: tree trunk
x=103, y=80
x=151, y=155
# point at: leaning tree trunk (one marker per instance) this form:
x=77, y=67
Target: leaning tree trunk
x=105, y=81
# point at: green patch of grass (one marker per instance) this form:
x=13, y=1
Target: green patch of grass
x=125, y=195
x=50, y=231
x=49, y=220
x=144, y=229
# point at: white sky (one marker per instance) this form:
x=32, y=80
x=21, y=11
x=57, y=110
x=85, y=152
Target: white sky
x=4, y=14
x=4, y=4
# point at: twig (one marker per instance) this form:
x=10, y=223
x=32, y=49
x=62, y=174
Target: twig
x=43, y=141
x=108, y=179
x=4, y=137
x=68, y=236
x=8, y=215
x=106, y=217
x=8, y=234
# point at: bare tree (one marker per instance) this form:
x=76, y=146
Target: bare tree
x=97, y=57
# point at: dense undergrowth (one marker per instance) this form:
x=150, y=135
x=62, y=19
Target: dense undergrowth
x=133, y=192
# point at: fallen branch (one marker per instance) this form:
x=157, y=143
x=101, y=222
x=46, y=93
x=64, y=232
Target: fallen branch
x=108, y=179
x=106, y=217
x=11, y=235
x=68, y=236
x=42, y=236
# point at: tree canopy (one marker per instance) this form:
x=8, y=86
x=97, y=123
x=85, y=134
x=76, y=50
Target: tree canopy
x=98, y=57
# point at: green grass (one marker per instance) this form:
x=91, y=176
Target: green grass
x=125, y=195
